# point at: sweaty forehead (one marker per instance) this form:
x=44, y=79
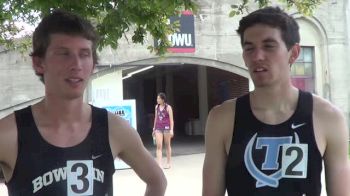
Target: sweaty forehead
x=262, y=33
x=69, y=41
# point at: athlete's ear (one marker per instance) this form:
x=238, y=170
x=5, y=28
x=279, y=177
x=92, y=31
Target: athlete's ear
x=93, y=68
x=38, y=65
x=295, y=51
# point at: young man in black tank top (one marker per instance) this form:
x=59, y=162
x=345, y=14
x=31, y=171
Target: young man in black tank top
x=61, y=145
x=273, y=140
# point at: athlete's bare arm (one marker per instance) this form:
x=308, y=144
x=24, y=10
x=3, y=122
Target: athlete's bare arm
x=218, y=135
x=155, y=117
x=171, y=117
x=333, y=141
x=8, y=145
x=126, y=144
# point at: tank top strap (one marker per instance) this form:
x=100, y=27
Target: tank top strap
x=242, y=111
x=23, y=117
x=99, y=128
x=26, y=128
x=304, y=107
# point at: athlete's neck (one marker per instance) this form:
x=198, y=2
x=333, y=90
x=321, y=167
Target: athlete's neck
x=63, y=111
x=276, y=99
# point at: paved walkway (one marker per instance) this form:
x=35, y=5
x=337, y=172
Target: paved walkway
x=184, y=178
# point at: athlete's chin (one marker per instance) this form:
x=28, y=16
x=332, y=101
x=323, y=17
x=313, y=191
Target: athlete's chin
x=261, y=81
x=76, y=92
x=74, y=95
x=261, y=84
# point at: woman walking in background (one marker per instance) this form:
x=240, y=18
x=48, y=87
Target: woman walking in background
x=163, y=128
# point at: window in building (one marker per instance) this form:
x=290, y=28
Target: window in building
x=302, y=71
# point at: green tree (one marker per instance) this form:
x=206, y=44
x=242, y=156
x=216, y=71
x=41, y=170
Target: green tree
x=113, y=18
x=305, y=7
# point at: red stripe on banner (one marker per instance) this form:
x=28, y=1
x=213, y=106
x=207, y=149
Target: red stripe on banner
x=182, y=50
x=187, y=12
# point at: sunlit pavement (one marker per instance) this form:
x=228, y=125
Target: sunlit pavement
x=3, y=189
x=184, y=178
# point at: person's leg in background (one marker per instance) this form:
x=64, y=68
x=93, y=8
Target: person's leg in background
x=159, y=151
x=167, y=142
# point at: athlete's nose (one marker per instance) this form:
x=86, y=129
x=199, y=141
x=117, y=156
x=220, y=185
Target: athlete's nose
x=258, y=55
x=76, y=62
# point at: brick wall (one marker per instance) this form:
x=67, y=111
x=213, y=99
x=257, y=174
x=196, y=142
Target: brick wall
x=224, y=85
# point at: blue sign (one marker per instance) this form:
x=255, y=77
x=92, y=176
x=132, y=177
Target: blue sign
x=123, y=111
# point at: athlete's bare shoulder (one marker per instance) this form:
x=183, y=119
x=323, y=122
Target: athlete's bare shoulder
x=224, y=110
x=8, y=132
x=220, y=123
x=329, y=123
x=7, y=123
x=8, y=143
x=324, y=110
x=119, y=124
x=121, y=134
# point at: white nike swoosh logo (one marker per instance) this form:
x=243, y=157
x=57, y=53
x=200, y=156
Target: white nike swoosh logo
x=97, y=156
x=297, y=125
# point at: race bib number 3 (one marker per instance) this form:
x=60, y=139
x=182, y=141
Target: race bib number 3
x=80, y=178
x=294, y=160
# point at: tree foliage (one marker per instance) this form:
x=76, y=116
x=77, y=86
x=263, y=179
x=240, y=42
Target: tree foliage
x=305, y=7
x=113, y=18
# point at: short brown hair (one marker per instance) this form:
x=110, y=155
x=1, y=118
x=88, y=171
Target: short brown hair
x=60, y=21
x=273, y=17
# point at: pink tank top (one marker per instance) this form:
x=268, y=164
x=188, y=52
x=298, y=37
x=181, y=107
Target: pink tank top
x=162, y=119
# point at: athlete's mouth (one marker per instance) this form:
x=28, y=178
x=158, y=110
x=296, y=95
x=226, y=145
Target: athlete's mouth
x=259, y=69
x=74, y=80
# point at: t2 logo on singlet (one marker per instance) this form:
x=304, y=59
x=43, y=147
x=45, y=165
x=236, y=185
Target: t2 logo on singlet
x=293, y=159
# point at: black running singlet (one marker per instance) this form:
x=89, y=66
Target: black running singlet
x=274, y=160
x=43, y=169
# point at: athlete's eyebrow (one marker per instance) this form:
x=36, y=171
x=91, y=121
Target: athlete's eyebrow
x=247, y=43
x=64, y=47
x=267, y=40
